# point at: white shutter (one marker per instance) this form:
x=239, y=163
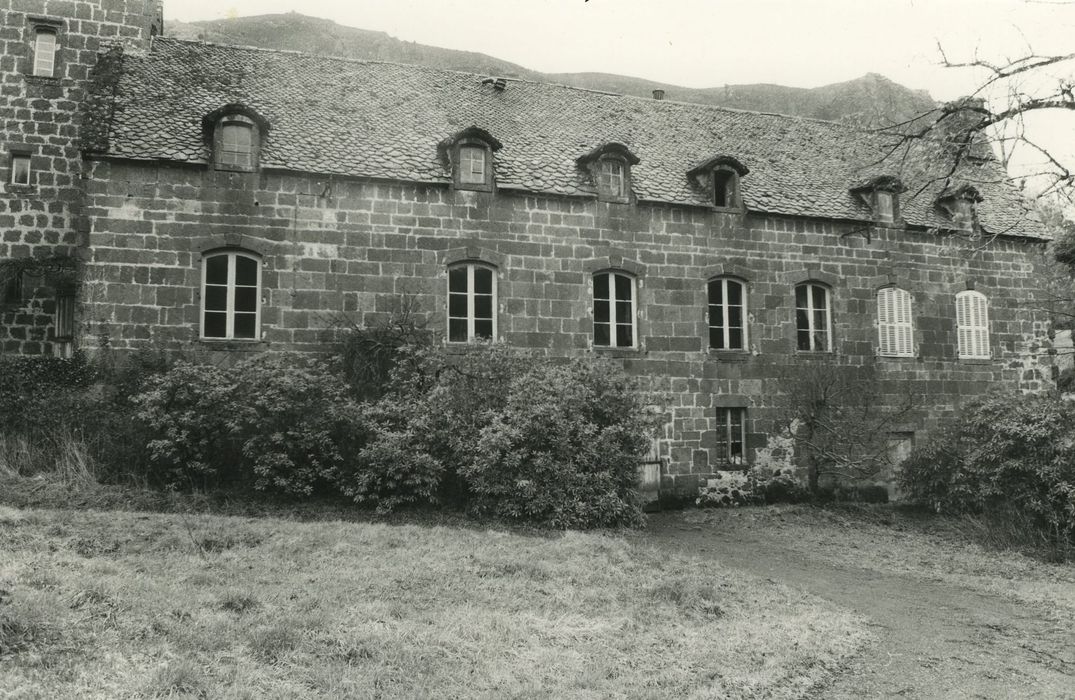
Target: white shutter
x=894, y=325
x=972, y=322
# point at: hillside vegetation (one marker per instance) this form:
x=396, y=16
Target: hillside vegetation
x=870, y=100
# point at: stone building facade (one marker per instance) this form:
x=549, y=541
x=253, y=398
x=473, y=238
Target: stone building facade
x=48, y=50
x=218, y=202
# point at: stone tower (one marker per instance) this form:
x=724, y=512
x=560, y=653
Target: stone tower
x=48, y=50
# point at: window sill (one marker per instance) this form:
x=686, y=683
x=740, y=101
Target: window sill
x=728, y=355
x=728, y=210
x=815, y=353
x=898, y=358
x=233, y=168
x=234, y=344
x=617, y=352
x=20, y=189
x=42, y=80
x=975, y=360
x=473, y=187
x=613, y=200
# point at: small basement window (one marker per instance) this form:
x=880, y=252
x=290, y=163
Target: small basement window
x=731, y=436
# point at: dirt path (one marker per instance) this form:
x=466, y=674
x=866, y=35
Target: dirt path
x=935, y=640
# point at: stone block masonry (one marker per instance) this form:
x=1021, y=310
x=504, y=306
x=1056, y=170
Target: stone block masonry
x=348, y=247
x=40, y=118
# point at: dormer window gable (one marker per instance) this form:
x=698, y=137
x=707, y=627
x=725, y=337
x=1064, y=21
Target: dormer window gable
x=882, y=195
x=235, y=133
x=469, y=154
x=719, y=177
x=960, y=205
x=609, y=166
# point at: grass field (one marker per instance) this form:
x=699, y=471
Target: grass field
x=121, y=604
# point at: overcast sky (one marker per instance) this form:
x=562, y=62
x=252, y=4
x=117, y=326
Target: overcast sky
x=705, y=43
x=709, y=43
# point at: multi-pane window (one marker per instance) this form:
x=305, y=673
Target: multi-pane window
x=44, y=52
x=472, y=165
x=231, y=296
x=731, y=435
x=727, y=314
x=236, y=145
x=813, y=322
x=612, y=178
x=20, y=169
x=972, y=324
x=894, y=323
x=471, y=302
x=614, y=310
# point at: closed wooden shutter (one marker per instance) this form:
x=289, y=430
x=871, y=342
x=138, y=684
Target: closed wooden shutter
x=894, y=323
x=972, y=323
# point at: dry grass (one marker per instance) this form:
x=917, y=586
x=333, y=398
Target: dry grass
x=121, y=604
x=65, y=458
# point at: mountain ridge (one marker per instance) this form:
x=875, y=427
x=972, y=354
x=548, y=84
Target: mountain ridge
x=869, y=101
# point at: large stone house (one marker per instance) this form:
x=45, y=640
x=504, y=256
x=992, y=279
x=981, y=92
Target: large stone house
x=235, y=199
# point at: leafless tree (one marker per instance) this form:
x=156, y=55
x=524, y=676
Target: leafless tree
x=842, y=418
x=994, y=120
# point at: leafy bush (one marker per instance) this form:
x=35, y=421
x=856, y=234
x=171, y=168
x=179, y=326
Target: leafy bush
x=395, y=467
x=562, y=449
x=280, y=423
x=1009, y=457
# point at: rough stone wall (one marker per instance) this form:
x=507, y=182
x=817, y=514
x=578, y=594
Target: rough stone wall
x=40, y=116
x=352, y=248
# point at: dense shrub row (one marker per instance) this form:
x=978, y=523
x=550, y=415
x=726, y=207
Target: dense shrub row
x=496, y=432
x=1011, y=459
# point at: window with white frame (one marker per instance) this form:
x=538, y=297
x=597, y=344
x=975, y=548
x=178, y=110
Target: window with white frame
x=895, y=326
x=727, y=314
x=44, y=52
x=614, y=310
x=471, y=302
x=731, y=435
x=231, y=296
x=972, y=324
x=20, y=169
x=813, y=317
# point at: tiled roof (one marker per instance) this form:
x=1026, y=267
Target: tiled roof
x=383, y=120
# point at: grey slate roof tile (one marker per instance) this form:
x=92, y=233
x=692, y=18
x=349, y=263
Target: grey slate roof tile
x=384, y=120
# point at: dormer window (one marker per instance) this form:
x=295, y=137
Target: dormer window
x=612, y=178
x=469, y=154
x=884, y=206
x=881, y=194
x=609, y=166
x=472, y=165
x=960, y=204
x=719, y=176
x=235, y=145
x=725, y=188
x=235, y=133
